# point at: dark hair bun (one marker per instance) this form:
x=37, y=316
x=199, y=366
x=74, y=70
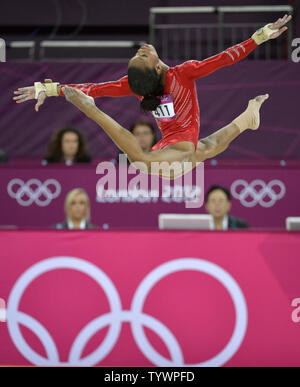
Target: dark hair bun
x=146, y=83
x=150, y=103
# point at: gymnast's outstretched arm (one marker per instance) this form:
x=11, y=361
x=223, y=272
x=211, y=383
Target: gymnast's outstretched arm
x=195, y=69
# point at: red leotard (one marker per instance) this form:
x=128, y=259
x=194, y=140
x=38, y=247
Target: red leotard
x=180, y=83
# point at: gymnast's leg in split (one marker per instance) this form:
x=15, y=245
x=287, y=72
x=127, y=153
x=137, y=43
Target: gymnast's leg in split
x=181, y=152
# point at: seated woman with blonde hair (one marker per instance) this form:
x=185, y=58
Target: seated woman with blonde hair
x=78, y=211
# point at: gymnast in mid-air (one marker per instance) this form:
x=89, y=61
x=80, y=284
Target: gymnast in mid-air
x=170, y=94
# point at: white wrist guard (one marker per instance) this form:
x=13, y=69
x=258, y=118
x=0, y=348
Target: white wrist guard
x=48, y=87
x=263, y=34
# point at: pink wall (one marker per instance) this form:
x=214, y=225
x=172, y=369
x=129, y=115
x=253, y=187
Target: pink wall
x=223, y=297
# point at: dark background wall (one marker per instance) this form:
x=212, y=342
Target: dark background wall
x=38, y=17
x=222, y=96
x=104, y=13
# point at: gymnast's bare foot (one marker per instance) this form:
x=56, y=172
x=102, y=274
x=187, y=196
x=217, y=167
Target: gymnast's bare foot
x=250, y=118
x=79, y=99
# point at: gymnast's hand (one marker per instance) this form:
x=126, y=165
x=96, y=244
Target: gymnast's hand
x=85, y=103
x=279, y=25
x=27, y=93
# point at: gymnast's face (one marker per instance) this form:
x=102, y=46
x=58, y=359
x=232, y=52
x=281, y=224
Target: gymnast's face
x=146, y=57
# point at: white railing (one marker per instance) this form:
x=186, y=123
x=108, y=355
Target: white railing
x=186, y=40
x=65, y=44
x=28, y=44
x=178, y=40
x=38, y=50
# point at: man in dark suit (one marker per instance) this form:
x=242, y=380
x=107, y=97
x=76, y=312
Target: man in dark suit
x=3, y=156
x=218, y=204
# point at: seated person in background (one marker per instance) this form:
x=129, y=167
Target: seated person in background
x=144, y=131
x=218, y=204
x=77, y=209
x=67, y=146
